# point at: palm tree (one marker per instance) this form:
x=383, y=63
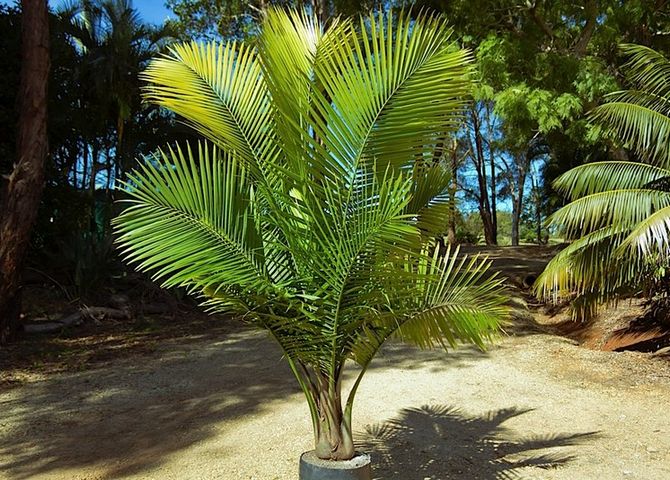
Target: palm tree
x=115, y=45
x=619, y=215
x=310, y=213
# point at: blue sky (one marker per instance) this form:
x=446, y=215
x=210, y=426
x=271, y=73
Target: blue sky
x=153, y=11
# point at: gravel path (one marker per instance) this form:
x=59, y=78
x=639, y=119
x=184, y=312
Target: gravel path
x=534, y=406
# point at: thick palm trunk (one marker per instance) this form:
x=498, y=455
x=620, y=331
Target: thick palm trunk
x=333, y=436
x=20, y=203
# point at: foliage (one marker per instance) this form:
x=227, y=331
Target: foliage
x=96, y=125
x=543, y=65
x=469, y=229
x=10, y=22
x=619, y=217
x=312, y=213
x=236, y=19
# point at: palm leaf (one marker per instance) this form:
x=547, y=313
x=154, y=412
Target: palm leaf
x=619, y=211
x=390, y=90
x=220, y=91
x=641, y=128
x=599, y=177
x=190, y=222
x=456, y=299
x=621, y=208
x=651, y=237
x=648, y=69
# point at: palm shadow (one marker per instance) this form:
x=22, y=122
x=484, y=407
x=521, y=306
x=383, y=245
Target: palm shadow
x=439, y=442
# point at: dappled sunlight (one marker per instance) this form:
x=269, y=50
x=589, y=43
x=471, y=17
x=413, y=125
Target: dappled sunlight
x=130, y=419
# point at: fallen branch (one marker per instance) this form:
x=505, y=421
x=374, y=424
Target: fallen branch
x=96, y=314
x=100, y=313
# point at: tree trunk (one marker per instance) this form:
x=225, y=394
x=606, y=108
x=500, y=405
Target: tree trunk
x=494, y=206
x=26, y=182
x=516, y=217
x=484, y=205
x=320, y=10
x=536, y=196
x=538, y=224
x=453, y=185
x=517, y=202
x=334, y=440
x=494, y=186
x=84, y=167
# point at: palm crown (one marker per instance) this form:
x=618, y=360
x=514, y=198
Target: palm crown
x=620, y=210
x=311, y=211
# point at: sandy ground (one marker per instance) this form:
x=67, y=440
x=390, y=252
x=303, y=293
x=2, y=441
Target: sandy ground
x=534, y=406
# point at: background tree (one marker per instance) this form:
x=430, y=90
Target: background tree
x=212, y=19
x=22, y=196
x=97, y=50
x=545, y=64
x=479, y=137
x=619, y=215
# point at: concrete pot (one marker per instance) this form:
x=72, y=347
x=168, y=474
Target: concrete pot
x=313, y=468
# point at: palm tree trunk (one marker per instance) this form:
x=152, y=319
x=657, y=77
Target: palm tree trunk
x=333, y=437
x=21, y=201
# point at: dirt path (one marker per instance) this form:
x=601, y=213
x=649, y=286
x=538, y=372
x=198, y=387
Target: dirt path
x=535, y=406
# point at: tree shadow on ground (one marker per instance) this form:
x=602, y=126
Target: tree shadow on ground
x=403, y=356
x=439, y=442
x=128, y=418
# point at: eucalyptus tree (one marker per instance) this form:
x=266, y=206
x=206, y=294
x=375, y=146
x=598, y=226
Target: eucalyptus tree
x=311, y=207
x=619, y=215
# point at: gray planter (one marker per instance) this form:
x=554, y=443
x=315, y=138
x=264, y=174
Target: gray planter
x=313, y=468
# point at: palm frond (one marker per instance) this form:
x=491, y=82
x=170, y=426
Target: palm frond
x=430, y=198
x=220, y=91
x=452, y=299
x=390, y=90
x=644, y=130
x=580, y=267
x=598, y=177
x=651, y=237
x=622, y=208
x=190, y=221
x=619, y=214
x=648, y=69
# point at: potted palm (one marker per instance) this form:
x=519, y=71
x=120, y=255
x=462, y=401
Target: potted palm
x=310, y=210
